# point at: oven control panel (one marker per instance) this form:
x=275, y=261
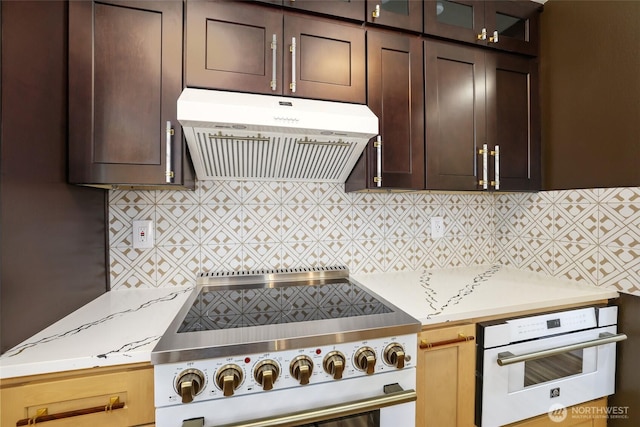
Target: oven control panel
x=219, y=378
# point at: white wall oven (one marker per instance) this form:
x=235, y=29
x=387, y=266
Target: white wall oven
x=528, y=365
x=297, y=348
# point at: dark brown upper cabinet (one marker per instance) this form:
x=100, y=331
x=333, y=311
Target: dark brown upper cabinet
x=395, y=95
x=254, y=48
x=513, y=122
x=482, y=119
x=125, y=75
x=402, y=14
x=505, y=25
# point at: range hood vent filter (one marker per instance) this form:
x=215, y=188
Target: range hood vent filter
x=270, y=157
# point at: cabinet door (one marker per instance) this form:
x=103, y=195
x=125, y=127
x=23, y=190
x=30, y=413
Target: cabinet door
x=327, y=61
x=516, y=23
x=351, y=9
x=455, y=115
x=76, y=399
x=395, y=94
x=403, y=14
x=513, y=122
x=230, y=46
x=461, y=20
x=446, y=377
x=125, y=74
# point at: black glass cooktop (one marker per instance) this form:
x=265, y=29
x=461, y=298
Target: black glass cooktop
x=239, y=307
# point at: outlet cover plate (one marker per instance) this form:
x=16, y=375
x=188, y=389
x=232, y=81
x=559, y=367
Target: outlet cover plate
x=142, y=234
x=437, y=227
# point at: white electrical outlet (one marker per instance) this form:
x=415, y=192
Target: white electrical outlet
x=437, y=227
x=142, y=234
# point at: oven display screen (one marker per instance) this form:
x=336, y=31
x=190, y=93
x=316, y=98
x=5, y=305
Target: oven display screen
x=553, y=323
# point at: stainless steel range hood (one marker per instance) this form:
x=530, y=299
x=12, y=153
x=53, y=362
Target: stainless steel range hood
x=234, y=135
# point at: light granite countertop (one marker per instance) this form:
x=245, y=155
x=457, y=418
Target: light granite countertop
x=118, y=327
x=456, y=294
x=122, y=327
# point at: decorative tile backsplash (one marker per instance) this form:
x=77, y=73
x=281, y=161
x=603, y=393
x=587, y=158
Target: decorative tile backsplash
x=588, y=235
x=591, y=235
x=246, y=225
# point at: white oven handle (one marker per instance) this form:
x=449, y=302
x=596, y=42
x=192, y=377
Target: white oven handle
x=508, y=358
x=331, y=412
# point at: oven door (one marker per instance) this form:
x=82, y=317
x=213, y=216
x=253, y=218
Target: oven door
x=394, y=408
x=522, y=380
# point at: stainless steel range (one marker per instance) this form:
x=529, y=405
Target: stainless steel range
x=307, y=347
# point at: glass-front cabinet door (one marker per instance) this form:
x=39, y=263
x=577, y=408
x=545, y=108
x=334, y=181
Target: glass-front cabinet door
x=504, y=25
x=513, y=25
x=403, y=14
x=459, y=20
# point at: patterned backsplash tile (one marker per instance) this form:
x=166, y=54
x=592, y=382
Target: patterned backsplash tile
x=590, y=235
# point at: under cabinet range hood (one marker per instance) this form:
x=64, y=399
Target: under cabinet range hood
x=240, y=136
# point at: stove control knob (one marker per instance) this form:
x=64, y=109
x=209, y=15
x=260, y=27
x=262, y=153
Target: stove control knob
x=229, y=378
x=365, y=359
x=266, y=373
x=394, y=355
x=301, y=368
x=333, y=364
x=189, y=383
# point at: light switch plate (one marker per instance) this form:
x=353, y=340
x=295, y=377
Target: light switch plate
x=142, y=234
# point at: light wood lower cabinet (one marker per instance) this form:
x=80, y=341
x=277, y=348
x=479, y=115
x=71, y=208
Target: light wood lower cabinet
x=588, y=414
x=81, y=398
x=446, y=377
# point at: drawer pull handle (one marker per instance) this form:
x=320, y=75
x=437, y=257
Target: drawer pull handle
x=461, y=338
x=42, y=415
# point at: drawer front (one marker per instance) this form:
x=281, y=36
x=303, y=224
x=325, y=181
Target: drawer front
x=114, y=399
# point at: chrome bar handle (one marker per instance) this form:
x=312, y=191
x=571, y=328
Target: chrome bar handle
x=496, y=157
x=168, y=171
x=292, y=49
x=274, y=48
x=378, y=145
x=484, y=182
x=508, y=358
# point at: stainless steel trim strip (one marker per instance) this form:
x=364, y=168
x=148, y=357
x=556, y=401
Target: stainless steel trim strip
x=276, y=275
x=508, y=358
x=330, y=412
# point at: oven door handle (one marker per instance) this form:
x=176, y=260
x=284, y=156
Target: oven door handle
x=508, y=358
x=331, y=412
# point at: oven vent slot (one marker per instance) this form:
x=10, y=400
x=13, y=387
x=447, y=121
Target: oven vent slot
x=272, y=275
